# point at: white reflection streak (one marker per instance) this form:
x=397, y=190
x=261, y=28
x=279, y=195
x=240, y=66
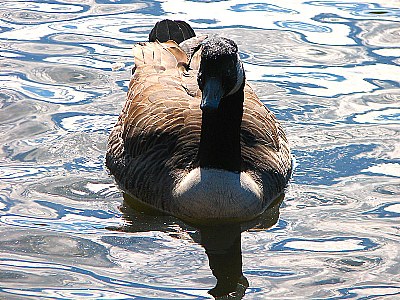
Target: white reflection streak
x=103, y=49
x=81, y=61
x=395, y=208
x=18, y=173
x=30, y=264
x=101, y=188
x=327, y=246
x=110, y=27
x=43, y=7
x=9, y=54
x=69, y=223
x=225, y=16
x=375, y=291
x=185, y=10
x=48, y=93
x=380, y=116
x=391, y=169
x=88, y=123
x=354, y=78
x=395, y=52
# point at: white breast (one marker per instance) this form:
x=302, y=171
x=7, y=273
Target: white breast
x=213, y=194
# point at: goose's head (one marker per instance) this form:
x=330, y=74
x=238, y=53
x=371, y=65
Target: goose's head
x=221, y=72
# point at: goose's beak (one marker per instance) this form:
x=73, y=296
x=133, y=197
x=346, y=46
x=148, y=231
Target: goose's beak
x=212, y=94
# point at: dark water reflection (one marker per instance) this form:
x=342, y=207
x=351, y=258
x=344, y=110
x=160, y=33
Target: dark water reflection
x=222, y=243
x=328, y=69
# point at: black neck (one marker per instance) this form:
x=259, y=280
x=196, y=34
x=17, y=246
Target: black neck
x=220, y=135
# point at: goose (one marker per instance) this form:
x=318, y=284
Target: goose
x=193, y=140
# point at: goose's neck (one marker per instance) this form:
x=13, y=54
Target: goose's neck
x=220, y=135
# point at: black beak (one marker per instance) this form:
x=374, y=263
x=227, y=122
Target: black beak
x=211, y=94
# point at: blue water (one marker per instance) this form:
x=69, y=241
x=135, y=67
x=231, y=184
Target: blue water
x=328, y=69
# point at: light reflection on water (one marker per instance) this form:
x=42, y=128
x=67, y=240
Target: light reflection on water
x=329, y=70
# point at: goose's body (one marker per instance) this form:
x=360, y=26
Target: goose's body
x=225, y=161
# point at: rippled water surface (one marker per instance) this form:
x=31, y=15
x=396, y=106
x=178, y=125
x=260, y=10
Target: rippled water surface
x=328, y=69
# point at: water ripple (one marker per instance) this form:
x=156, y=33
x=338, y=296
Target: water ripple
x=389, y=189
x=391, y=210
x=22, y=173
x=43, y=49
x=302, y=26
x=336, y=244
x=79, y=122
x=70, y=223
x=141, y=290
x=269, y=273
x=386, y=116
x=285, y=48
x=81, y=189
x=368, y=292
x=46, y=7
x=346, y=161
x=56, y=245
x=379, y=34
x=390, y=169
x=151, y=7
x=328, y=69
x=27, y=17
x=65, y=293
x=6, y=202
x=46, y=93
x=264, y=7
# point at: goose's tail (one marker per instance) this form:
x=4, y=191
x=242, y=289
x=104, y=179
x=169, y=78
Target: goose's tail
x=166, y=30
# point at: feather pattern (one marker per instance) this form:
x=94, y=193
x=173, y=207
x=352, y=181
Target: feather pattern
x=155, y=141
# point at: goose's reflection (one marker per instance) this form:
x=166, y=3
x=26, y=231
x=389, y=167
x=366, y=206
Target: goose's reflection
x=222, y=243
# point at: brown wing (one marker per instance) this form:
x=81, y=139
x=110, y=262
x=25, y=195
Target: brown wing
x=159, y=128
x=265, y=149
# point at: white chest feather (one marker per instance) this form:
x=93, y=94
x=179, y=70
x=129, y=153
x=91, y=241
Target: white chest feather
x=213, y=193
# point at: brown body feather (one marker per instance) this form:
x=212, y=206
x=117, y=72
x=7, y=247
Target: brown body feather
x=156, y=140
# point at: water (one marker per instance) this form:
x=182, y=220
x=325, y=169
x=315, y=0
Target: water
x=329, y=70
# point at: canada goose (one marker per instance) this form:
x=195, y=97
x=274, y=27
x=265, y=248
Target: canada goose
x=193, y=140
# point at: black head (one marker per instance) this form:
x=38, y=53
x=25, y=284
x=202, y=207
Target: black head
x=221, y=72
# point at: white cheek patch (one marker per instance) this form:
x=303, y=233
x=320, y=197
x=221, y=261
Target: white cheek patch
x=240, y=77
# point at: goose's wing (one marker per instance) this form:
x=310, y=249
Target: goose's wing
x=264, y=145
x=154, y=133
